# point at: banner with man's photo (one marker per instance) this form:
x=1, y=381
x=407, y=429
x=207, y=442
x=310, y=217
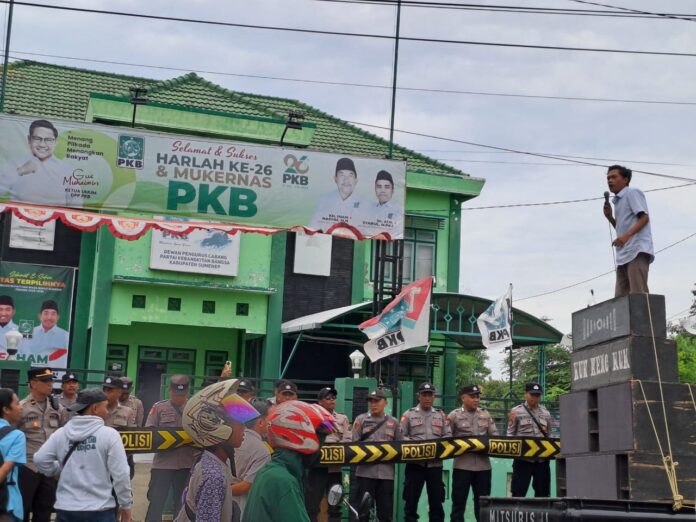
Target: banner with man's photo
x=111, y=169
x=36, y=300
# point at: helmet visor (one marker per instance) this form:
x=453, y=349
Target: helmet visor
x=238, y=409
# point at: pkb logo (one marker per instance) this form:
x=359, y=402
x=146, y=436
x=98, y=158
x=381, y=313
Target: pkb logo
x=131, y=152
x=296, y=169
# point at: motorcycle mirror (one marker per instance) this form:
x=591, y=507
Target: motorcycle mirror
x=335, y=495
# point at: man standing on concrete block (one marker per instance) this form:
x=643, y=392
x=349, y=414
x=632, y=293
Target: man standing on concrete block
x=634, y=245
x=530, y=419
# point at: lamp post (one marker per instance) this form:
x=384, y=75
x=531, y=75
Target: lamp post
x=356, y=361
x=12, y=340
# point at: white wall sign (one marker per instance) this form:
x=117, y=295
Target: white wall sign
x=32, y=237
x=313, y=254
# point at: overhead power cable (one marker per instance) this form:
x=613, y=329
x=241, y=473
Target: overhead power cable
x=347, y=34
x=687, y=18
x=353, y=84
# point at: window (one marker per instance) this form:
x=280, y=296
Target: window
x=208, y=307
x=242, y=308
x=419, y=255
x=138, y=301
x=174, y=304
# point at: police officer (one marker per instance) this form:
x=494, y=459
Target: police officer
x=135, y=404
x=471, y=470
x=69, y=386
x=320, y=478
x=246, y=390
x=377, y=479
x=530, y=419
x=118, y=415
x=285, y=390
x=42, y=415
x=424, y=422
x=170, y=469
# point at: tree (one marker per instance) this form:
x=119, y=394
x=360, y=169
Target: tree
x=686, y=353
x=525, y=368
x=471, y=367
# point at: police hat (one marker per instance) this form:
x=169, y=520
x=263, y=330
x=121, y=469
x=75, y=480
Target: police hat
x=246, y=386
x=127, y=383
x=179, y=385
x=325, y=392
x=69, y=376
x=376, y=395
x=86, y=398
x=426, y=387
x=113, y=382
x=42, y=374
x=285, y=386
x=534, y=388
x=472, y=389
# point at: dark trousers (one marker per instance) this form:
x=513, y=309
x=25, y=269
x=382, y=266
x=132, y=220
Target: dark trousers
x=416, y=477
x=632, y=278
x=108, y=515
x=524, y=471
x=38, y=494
x=317, y=483
x=161, y=481
x=462, y=480
x=382, y=492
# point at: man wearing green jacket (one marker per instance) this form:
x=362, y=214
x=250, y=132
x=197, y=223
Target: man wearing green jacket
x=295, y=430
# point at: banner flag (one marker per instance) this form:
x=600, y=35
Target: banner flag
x=404, y=323
x=495, y=324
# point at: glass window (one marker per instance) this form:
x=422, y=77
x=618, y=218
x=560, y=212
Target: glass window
x=419, y=255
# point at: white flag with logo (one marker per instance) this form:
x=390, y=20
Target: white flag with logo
x=495, y=324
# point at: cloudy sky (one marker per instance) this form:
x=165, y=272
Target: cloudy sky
x=538, y=249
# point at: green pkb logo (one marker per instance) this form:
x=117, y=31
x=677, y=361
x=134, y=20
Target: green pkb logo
x=131, y=152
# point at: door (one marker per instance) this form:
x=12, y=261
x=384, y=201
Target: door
x=149, y=378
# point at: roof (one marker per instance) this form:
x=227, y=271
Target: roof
x=313, y=321
x=63, y=92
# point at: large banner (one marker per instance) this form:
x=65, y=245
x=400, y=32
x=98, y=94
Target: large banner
x=97, y=167
x=36, y=300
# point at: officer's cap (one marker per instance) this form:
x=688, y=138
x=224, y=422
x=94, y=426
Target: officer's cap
x=471, y=389
x=127, y=383
x=376, y=395
x=86, y=398
x=534, y=388
x=114, y=382
x=69, y=376
x=325, y=392
x=179, y=385
x=285, y=386
x=426, y=387
x=42, y=374
x=6, y=300
x=246, y=386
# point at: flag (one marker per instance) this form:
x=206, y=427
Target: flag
x=495, y=324
x=404, y=323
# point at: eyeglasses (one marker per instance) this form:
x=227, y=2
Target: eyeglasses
x=39, y=139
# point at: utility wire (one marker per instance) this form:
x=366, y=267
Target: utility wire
x=352, y=84
x=600, y=275
x=636, y=11
x=354, y=35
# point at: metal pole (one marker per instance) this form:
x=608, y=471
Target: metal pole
x=510, y=385
x=396, y=66
x=6, y=62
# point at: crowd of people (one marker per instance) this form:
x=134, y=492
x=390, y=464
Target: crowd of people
x=255, y=459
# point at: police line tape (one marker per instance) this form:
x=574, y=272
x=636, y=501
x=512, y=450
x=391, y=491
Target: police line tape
x=153, y=440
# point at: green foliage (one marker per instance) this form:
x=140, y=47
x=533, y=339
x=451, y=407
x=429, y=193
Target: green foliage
x=471, y=367
x=525, y=369
x=686, y=350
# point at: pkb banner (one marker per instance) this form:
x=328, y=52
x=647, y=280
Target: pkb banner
x=111, y=169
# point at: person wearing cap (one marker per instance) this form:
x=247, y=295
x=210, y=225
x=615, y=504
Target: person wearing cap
x=341, y=205
x=377, y=479
x=471, y=470
x=48, y=338
x=384, y=214
x=42, y=415
x=7, y=313
x=89, y=461
x=320, y=478
x=285, y=390
x=170, y=469
x=253, y=454
x=135, y=404
x=424, y=422
x=246, y=389
x=530, y=419
x=69, y=385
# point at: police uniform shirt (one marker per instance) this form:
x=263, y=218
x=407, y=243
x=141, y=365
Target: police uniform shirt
x=39, y=421
x=43, y=341
x=524, y=425
x=387, y=432
x=420, y=424
x=344, y=433
x=332, y=209
x=120, y=417
x=3, y=330
x=249, y=458
x=464, y=423
x=136, y=405
x=164, y=414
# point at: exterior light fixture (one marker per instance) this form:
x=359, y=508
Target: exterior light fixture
x=356, y=361
x=12, y=340
x=294, y=122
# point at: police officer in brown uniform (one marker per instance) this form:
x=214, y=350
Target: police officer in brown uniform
x=246, y=390
x=424, y=422
x=377, y=479
x=320, y=478
x=118, y=415
x=135, y=404
x=170, y=469
x=42, y=415
x=530, y=419
x=471, y=470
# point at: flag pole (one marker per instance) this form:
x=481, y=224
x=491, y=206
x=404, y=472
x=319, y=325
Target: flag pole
x=511, y=339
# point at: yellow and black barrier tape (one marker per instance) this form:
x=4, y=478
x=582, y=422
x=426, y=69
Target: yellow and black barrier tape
x=152, y=440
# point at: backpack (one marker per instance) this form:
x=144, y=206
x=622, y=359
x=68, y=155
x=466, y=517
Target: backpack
x=4, y=490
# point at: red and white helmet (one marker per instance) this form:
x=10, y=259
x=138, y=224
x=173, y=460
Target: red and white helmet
x=294, y=425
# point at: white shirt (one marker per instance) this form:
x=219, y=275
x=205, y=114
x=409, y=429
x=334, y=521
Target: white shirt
x=332, y=209
x=382, y=217
x=41, y=182
x=627, y=205
x=43, y=341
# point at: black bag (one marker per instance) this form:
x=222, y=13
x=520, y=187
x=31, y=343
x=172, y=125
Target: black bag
x=4, y=485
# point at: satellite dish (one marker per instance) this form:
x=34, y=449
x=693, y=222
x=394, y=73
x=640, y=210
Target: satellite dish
x=689, y=324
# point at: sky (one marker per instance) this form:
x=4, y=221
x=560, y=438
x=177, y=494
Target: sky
x=539, y=249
